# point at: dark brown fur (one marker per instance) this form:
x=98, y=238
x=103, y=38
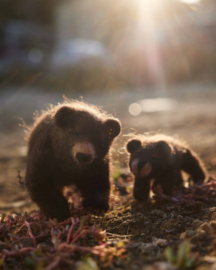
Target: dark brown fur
x=51, y=165
x=168, y=157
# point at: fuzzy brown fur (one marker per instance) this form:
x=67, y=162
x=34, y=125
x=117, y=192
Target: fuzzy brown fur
x=162, y=158
x=69, y=144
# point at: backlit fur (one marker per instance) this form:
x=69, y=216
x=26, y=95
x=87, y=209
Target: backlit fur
x=162, y=158
x=54, y=140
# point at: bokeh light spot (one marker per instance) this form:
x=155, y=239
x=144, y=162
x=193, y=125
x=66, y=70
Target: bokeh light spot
x=135, y=109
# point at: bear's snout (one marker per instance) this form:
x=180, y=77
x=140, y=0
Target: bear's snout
x=84, y=152
x=139, y=169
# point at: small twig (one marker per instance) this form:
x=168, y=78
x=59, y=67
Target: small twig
x=20, y=179
x=196, y=212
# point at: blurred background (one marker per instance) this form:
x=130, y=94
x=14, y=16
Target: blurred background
x=151, y=63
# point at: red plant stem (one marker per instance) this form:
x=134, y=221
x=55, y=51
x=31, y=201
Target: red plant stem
x=52, y=233
x=31, y=234
x=17, y=252
x=26, y=237
x=78, y=248
x=3, y=257
x=66, y=222
x=9, y=227
x=13, y=236
x=94, y=250
x=53, y=265
x=31, y=223
x=60, y=233
x=20, y=228
x=82, y=233
x=41, y=235
x=78, y=236
x=80, y=229
x=37, y=216
x=70, y=231
x=35, y=223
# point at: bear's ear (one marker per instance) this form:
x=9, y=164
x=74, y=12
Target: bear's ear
x=63, y=116
x=163, y=149
x=113, y=128
x=133, y=145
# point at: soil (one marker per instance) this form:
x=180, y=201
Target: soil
x=158, y=235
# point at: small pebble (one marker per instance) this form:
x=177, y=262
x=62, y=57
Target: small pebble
x=207, y=228
x=187, y=234
x=180, y=218
x=196, y=223
x=213, y=225
x=173, y=214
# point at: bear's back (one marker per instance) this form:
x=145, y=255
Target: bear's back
x=151, y=140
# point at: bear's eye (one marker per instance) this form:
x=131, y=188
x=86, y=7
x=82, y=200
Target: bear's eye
x=110, y=134
x=74, y=133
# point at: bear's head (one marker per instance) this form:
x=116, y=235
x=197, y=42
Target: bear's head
x=148, y=158
x=84, y=133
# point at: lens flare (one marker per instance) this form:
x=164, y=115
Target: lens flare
x=191, y=1
x=135, y=109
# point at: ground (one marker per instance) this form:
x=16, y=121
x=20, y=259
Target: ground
x=159, y=235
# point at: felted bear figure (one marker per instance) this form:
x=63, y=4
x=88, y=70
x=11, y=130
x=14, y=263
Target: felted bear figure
x=69, y=144
x=161, y=158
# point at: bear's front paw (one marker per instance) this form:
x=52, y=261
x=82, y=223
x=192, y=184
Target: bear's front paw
x=56, y=212
x=96, y=207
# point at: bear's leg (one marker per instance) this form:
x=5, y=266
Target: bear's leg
x=141, y=189
x=166, y=182
x=51, y=201
x=177, y=178
x=193, y=166
x=95, y=190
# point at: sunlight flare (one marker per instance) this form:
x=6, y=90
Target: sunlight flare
x=191, y=1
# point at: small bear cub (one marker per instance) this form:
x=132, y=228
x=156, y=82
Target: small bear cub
x=69, y=144
x=161, y=158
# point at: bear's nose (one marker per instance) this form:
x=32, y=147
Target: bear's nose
x=83, y=157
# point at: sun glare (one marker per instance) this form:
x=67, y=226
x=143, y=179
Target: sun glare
x=147, y=30
x=191, y=1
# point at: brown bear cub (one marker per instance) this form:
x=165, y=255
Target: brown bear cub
x=161, y=158
x=69, y=144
